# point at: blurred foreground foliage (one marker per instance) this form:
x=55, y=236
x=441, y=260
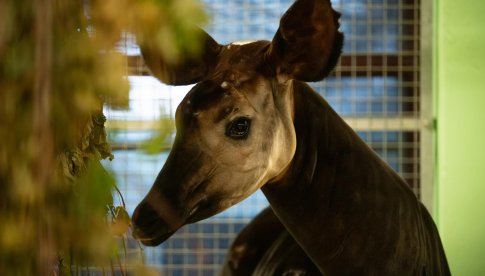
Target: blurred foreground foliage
x=163, y=139
x=58, y=66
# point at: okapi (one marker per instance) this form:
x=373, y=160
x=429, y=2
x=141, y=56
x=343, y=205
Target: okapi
x=252, y=123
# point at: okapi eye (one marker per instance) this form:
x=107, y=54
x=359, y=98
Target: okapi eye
x=239, y=128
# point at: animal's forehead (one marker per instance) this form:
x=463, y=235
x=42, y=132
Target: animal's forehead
x=202, y=96
x=238, y=65
x=239, y=62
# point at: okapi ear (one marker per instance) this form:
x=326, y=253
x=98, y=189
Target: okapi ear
x=307, y=44
x=187, y=70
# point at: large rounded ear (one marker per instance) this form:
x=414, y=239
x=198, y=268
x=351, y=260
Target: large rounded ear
x=188, y=69
x=307, y=44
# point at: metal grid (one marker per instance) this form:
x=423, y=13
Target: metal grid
x=375, y=87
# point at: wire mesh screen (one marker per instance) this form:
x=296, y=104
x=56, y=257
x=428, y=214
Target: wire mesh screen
x=375, y=88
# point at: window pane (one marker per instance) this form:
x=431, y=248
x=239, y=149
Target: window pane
x=370, y=25
x=362, y=96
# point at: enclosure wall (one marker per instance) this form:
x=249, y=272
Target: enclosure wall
x=459, y=74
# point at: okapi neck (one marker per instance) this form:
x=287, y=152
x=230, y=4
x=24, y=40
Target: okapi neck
x=323, y=200
x=304, y=198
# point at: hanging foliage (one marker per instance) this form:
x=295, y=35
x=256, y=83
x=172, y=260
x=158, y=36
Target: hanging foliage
x=58, y=65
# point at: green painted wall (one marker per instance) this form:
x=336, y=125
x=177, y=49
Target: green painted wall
x=459, y=90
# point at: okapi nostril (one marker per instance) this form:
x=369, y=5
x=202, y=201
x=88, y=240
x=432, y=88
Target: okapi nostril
x=144, y=216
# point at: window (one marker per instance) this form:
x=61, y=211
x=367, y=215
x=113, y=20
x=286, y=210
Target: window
x=376, y=88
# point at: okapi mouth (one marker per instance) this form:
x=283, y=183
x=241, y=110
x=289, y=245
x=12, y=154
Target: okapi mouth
x=151, y=229
x=154, y=240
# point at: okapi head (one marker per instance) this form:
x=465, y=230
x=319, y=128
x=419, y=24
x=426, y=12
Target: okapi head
x=234, y=128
